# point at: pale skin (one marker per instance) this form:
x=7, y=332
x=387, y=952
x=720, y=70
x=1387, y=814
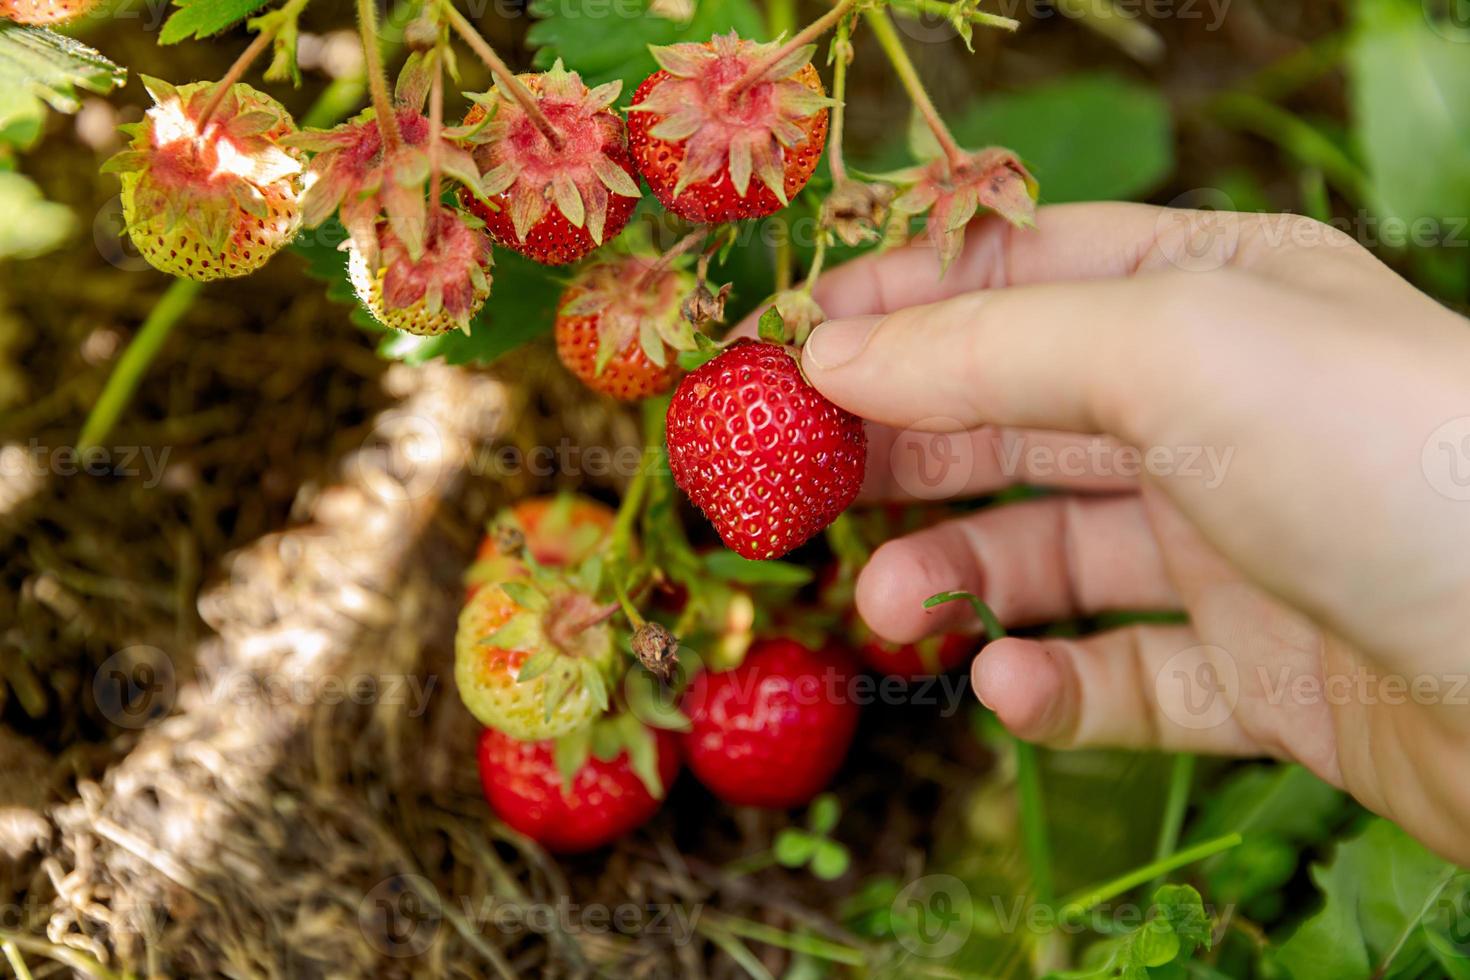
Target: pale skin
x=1324, y=560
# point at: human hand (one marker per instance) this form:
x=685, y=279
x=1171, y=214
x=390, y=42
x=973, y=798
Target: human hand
x=1304, y=415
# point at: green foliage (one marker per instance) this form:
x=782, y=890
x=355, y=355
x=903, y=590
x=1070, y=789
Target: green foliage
x=202, y=18
x=1411, y=112
x=1280, y=810
x=1177, y=925
x=32, y=225
x=812, y=847
x=1085, y=138
x=730, y=567
x=39, y=68
x=1389, y=908
x=522, y=306
x=608, y=39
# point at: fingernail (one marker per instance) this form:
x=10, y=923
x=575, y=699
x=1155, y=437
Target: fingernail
x=836, y=342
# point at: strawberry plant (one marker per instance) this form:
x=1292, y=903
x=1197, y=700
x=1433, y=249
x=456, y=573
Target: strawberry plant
x=625, y=190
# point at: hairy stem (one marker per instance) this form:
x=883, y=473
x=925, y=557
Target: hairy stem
x=436, y=130
x=842, y=52
x=805, y=36
x=504, y=77
x=1073, y=907
x=940, y=8
x=237, y=70
x=683, y=245
x=377, y=78
x=908, y=76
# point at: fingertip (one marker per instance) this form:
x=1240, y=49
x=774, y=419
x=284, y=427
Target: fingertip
x=892, y=587
x=1024, y=684
x=837, y=343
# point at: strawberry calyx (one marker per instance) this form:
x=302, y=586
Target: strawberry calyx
x=574, y=178
x=636, y=302
x=606, y=739
x=356, y=174
x=564, y=635
x=729, y=121
x=439, y=290
x=856, y=211
x=994, y=178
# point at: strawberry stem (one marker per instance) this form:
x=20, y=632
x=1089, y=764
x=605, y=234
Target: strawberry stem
x=842, y=54
x=806, y=35
x=367, y=24
x=908, y=76
x=504, y=77
x=939, y=8
x=242, y=63
x=436, y=127
x=682, y=246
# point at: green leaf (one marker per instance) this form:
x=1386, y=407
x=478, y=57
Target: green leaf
x=1280, y=810
x=642, y=748
x=202, y=18
x=794, y=848
x=526, y=596
x=1376, y=891
x=536, y=665
x=570, y=753
x=1086, y=138
x=1410, y=98
x=772, y=327
x=584, y=35
x=830, y=860
x=33, y=225
x=521, y=633
x=822, y=816
x=39, y=68
x=730, y=567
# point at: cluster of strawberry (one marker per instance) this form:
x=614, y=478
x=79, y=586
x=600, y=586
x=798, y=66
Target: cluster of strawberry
x=570, y=756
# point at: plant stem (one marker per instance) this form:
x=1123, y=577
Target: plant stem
x=119, y=389
x=805, y=36
x=504, y=77
x=908, y=76
x=842, y=53
x=372, y=51
x=238, y=69
x=939, y=8
x=1083, y=901
x=810, y=945
x=1181, y=776
x=1028, y=767
x=683, y=245
x=16, y=960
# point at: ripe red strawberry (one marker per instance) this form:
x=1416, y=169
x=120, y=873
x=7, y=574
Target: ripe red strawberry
x=773, y=731
x=929, y=656
x=603, y=801
x=767, y=458
x=557, y=531
x=212, y=202
x=527, y=664
x=619, y=327
x=551, y=203
x=433, y=294
x=698, y=142
x=45, y=11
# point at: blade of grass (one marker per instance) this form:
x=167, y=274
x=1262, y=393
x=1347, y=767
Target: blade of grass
x=1181, y=776
x=1081, y=902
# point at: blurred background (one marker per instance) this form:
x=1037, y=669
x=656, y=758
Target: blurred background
x=195, y=573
